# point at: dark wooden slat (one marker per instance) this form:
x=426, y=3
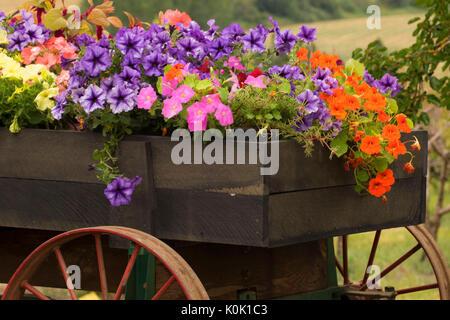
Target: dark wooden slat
x=50, y=205
x=209, y=217
x=314, y=214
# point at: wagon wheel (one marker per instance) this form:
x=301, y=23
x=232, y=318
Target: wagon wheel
x=179, y=271
x=431, y=253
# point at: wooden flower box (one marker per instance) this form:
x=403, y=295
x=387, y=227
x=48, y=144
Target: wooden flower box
x=45, y=184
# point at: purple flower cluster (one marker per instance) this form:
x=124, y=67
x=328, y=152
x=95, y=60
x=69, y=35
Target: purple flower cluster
x=26, y=32
x=385, y=84
x=120, y=190
x=324, y=81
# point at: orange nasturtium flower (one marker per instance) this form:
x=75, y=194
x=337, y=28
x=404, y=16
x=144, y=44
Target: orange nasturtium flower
x=351, y=103
x=383, y=117
x=391, y=132
x=302, y=54
x=396, y=148
x=377, y=188
x=408, y=167
x=358, y=135
x=337, y=110
x=370, y=145
x=375, y=102
x=415, y=145
x=387, y=177
x=175, y=72
x=402, y=124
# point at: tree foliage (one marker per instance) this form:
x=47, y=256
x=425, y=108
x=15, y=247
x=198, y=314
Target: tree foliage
x=422, y=69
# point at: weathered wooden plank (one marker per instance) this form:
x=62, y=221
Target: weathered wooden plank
x=51, y=205
x=297, y=172
x=209, y=217
x=309, y=215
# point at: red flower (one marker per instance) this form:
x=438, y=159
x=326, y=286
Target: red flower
x=408, y=167
x=256, y=73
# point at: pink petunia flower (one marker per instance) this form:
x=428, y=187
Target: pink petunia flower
x=172, y=107
x=48, y=60
x=224, y=115
x=234, y=63
x=211, y=102
x=29, y=54
x=197, y=117
x=168, y=87
x=63, y=80
x=257, y=82
x=184, y=93
x=146, y=98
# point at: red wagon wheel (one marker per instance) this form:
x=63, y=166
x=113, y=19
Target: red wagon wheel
x=366, y=285
x=179, y=271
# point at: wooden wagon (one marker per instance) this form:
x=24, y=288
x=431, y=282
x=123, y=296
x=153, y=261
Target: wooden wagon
x=228, y=231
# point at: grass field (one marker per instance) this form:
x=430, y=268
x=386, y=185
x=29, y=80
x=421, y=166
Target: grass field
x=341, y=37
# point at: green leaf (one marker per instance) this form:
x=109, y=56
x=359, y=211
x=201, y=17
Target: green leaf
x=159, y=85
x=389, y=157
x=435, y=83
x=431, y=98
x=392, y=105
x=285, y=87
x=54, y=20
x=203, y=85
x=224, y=94
x=268, y=116
x=358, y=188
x=277, y=115
x=381, y=164
x=250, y=115
x=339, y=146
x=362, y=175
x=410, y=123
x=413, y=20
x=353, y=66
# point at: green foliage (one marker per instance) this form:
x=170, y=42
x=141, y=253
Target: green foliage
x=421, y=68
x=18, y=110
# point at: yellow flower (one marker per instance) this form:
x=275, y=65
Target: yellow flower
x=32, y=72
x=44, y=99
x=11, y=69
x=3, y=37
x=14, y=127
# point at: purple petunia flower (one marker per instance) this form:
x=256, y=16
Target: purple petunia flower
x=220, y=48
x=130, y=42
x=2, y=15
x=35, y=33
x=154, y=64
x=287, y=72
x=17, y=41
x=161, y=39
x=369, y=79
x=388, y=82
x=130, y=75
x=84, y=40
x=254, y=40
x=121, y=99
x=210, y=34
x=307, y=34
x=59, y=109
x=120, y=190
x=233, y=32
x=96, y=59
x=285, y=41
x=94, y=98
x=107, y=84
x=309, y=101
x=188, y=47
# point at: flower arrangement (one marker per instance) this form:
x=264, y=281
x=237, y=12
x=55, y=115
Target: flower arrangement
x=153, y=79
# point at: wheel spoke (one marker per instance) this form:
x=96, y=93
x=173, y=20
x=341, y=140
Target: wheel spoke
x=396, y=263
x=420, y=288
x=34, y=291
x=339, y=266
x=164, y=288
x=63, y=268
x=345, y=259
x=372, y=255
x=127, y=272
x=101, y=266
